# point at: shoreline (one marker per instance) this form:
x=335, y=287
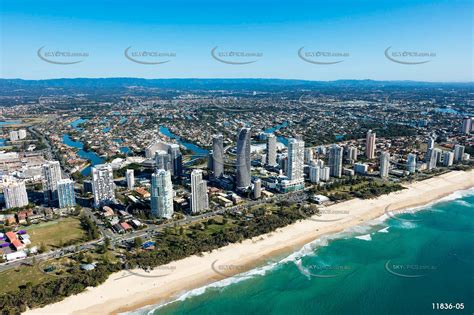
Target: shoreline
x=131, y=290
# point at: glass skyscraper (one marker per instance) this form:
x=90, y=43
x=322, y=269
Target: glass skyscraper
x=66, y=196
x=161, y=194
x=51, y=175
x=199, y=197
x=218, y=155
x=243, y=158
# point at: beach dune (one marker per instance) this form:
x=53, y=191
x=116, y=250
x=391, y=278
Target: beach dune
x=130, y=290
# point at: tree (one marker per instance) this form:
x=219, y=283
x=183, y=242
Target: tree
x=89, y=259
x=78, y=177
x=90, y=227
x=138, y=242
x=107, y=242
x=42, y=248
x=105, y=247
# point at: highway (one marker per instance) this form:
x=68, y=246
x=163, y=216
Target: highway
x=148, y=232
x=61, y=252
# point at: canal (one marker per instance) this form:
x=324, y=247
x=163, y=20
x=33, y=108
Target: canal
x=91, y=156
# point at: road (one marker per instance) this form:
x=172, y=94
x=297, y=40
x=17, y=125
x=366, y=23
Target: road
x=50, y=153
x=51, y=254
x=149, y=232
x=49, y=150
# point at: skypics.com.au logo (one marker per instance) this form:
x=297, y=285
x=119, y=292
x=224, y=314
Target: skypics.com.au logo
x=322, y=271
x=232, y=104
x=61, y=57
x=201, y=159
x=236, y=57
x=318, y=57
x=148, y=57
x=409, y=270
x=228, y=270
x=156, y=272
x=326, y=215
x=313, y=103
x=409, y=57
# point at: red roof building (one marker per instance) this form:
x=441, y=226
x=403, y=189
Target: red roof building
x=18, y=245
x=11, y=236
x=125, y=226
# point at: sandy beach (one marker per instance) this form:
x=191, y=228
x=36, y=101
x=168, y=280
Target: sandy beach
x=125, y=291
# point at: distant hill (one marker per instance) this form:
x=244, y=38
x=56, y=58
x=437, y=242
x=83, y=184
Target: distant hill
x=12, y=87
x=206, y=83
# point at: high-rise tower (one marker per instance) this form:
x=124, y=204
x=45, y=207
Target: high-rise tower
x=103, y=184
x=370, y=145
x=199, y=197
x=271, y=150
x=218, y=155
x=51, y=175
x=243, y=158
x=161, y=194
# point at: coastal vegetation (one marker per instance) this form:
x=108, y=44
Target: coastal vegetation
x=177, y=243
x=92, y=231
x=174, y=243
x=356, y=187
x=54, y=289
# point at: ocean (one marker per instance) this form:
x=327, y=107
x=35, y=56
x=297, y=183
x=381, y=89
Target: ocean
x=410, y=263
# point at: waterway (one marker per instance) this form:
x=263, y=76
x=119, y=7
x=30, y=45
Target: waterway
x=188, y=145
x=91, y=156
x=10, y=122
x=276, y=128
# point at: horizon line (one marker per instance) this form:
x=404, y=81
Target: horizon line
x=230, y=78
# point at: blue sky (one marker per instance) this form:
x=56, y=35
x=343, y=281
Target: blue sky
x=361, y=30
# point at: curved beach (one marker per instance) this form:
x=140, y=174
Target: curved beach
x=126, y=291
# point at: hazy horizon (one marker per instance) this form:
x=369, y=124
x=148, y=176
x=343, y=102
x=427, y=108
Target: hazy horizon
x=249, y=78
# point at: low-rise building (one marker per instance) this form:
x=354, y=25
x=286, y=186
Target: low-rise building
x=15, y=255
x=142, y=192
x=319, y=199
x=224, y=201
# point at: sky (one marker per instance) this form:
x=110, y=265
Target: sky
x=311, y=40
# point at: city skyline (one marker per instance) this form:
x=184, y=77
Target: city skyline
x=237, y=157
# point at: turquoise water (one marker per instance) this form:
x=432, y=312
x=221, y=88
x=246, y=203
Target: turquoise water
x=10, y=122
x=394, y=265
x=75, y=124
